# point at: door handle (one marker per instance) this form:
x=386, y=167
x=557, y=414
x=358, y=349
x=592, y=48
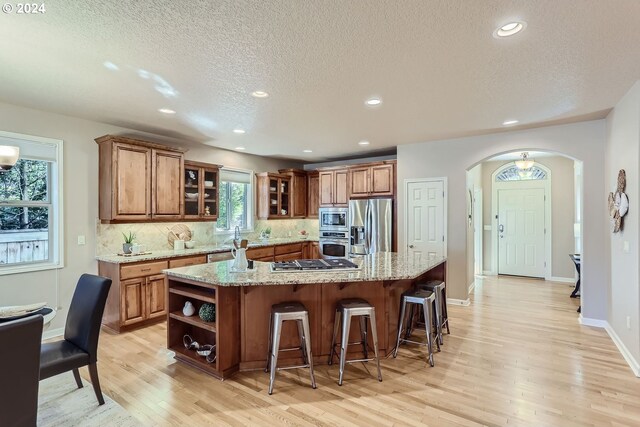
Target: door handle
x=410, y=246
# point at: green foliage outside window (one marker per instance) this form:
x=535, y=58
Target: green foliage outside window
x=24, y=184
x=233, y=206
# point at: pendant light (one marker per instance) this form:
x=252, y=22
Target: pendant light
x=8, y=157
x=525, y=163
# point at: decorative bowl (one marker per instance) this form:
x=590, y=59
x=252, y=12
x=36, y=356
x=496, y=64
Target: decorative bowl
x=191, y=195
x=205, y=350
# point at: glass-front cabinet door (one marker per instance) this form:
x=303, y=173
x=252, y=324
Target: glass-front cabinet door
x=209, y=193
x=201, y=182
x=192, y=177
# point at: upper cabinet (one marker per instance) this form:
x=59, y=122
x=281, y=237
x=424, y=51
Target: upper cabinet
x=274, y=196
x=371, y=180
x=139, y=180
x=313, y=194
x=201, y=184
x=298, y=190
x=334, y=189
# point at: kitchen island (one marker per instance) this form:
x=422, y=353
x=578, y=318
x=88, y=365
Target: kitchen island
x=243, y=305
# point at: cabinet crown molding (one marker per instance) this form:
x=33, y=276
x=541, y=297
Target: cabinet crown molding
x=138, y=142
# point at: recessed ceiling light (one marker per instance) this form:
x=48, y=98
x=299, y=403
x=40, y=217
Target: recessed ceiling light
x=372, y=102
x=166, y=111
x=240, y=148
x=509, y=29
x=307, y=151
x=240, y=131
x=363, y=143
x=259, y=94
x=509, y=122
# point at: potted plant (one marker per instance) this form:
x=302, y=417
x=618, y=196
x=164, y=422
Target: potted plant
x=128, y=242
x=266, y=233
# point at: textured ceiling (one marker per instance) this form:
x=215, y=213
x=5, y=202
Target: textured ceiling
x=435, y=64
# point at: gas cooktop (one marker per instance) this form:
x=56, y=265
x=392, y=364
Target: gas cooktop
x=334, y=264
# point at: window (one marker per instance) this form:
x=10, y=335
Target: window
x=236, y=200
x=30, y=192
x=514, y=174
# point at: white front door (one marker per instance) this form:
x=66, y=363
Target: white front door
x=425, y=219
x=521, y=232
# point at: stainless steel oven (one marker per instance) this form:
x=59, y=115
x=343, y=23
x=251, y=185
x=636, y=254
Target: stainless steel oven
x=334, y=219
x=334, y=244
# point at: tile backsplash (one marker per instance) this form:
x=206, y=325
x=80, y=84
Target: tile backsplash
x=154, y=235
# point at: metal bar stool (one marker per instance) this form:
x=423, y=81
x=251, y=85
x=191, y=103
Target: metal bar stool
x=345, y=310
x=279, y=314
x=440, y=289
x=426, y=300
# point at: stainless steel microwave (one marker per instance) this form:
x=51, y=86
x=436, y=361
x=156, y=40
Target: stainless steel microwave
x=334, y=218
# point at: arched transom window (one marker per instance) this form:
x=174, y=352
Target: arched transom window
x=514, y=174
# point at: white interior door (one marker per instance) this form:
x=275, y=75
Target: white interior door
x=425, y=230
x=521, y=229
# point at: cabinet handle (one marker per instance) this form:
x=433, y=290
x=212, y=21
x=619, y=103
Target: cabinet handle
x=145, y=269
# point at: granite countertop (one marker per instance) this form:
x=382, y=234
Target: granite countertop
x=376, y=267
x=200, y=250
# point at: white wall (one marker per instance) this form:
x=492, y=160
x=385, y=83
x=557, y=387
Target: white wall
x=81, y=198
x=623, y=139
x=452, y=158
x=562, y=212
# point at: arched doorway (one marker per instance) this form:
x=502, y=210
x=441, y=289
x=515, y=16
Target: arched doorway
x=500, y=173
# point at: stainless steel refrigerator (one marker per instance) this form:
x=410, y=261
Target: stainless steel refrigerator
x=370, y=226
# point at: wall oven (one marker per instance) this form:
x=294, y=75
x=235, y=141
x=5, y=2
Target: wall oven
x=334, y=244
x=334, y=219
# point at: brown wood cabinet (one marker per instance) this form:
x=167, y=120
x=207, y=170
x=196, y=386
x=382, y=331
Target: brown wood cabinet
x=334, y=189
x=313, y=194
x=314, y=250
x=298, y=190
x=201, y=186
x=223, y=332
x=139, y=180
x=274, y=196
x=376, y=179
x=138, y=294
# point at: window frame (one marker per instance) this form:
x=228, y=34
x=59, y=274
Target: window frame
x=54, y=203
x=249, y=201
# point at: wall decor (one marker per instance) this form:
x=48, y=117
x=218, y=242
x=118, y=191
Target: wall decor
x=618, y=203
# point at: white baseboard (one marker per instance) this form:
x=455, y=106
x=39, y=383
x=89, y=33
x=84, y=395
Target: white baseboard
x=562, y=279
x=462, y=302
x=52, y=333
x=472, y=286
x=596, y=323
x=488, y=273
x=628, y=357
x=633, y=363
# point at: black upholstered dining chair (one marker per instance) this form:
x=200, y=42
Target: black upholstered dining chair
x=19, y=367
x=80, y=344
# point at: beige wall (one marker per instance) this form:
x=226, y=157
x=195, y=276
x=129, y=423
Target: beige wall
x=81, y=198
x=562, y=212
x=623, y=139
x=452, y=158
x=474, y=182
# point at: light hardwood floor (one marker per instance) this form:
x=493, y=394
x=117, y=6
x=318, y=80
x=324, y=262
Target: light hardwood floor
x=517, y=356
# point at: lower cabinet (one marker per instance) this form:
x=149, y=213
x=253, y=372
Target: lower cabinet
x=138, y=291
x=142, y=298
x=132, y=301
